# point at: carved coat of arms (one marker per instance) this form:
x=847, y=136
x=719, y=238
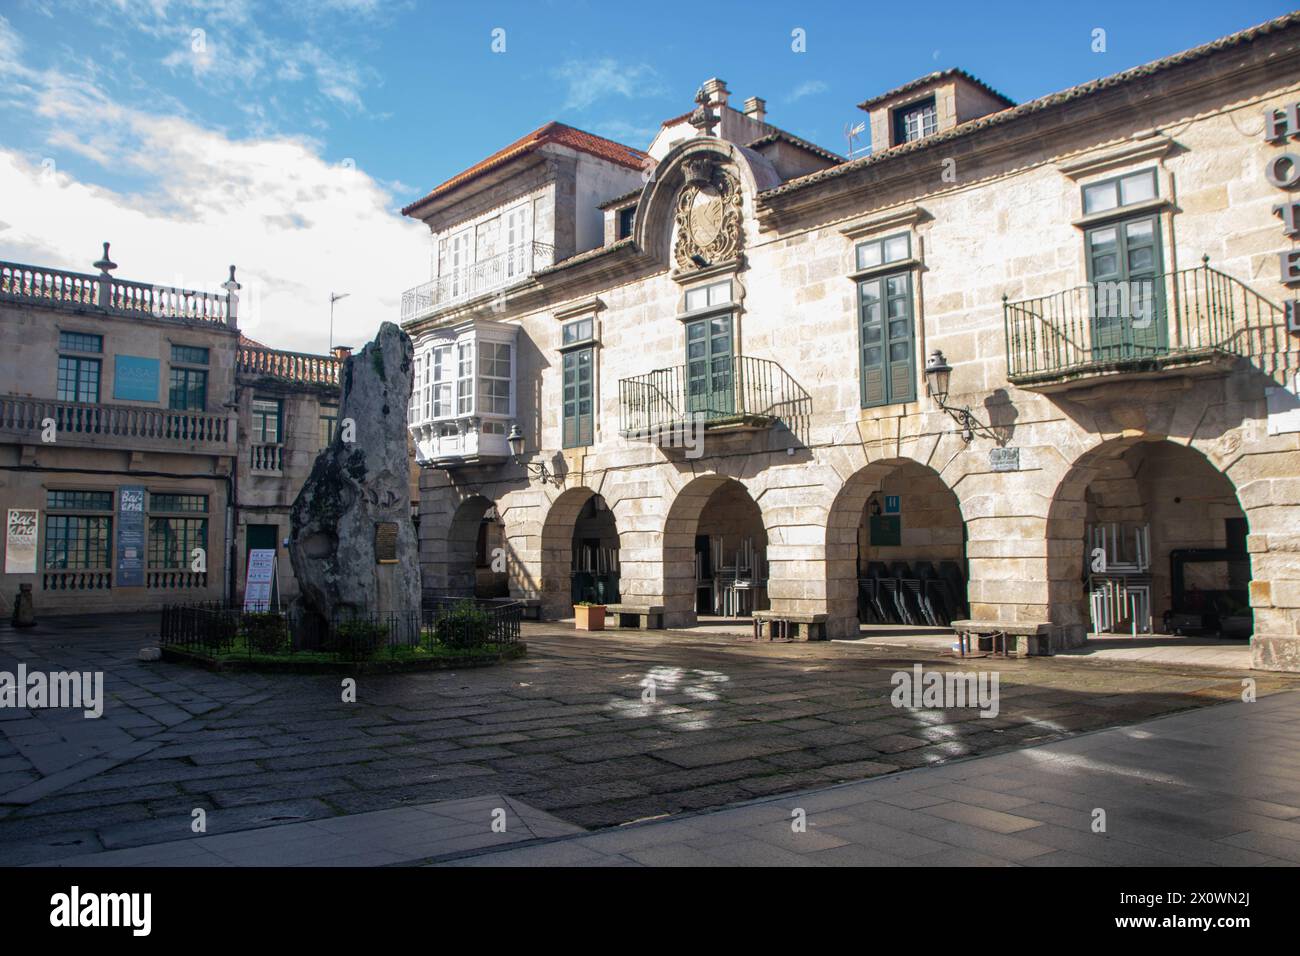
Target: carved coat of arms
x=708, y=216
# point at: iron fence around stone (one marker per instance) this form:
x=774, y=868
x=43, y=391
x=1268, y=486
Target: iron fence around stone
x=216, y=630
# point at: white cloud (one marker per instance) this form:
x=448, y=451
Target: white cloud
x=807, y=88
x=592, y=80
x=298, y=227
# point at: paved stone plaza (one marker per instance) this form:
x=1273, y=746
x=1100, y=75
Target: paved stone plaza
x=564, y=734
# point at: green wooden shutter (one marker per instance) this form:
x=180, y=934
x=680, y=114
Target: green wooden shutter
x=900, y=335
x=579, y=400
x=887, y=340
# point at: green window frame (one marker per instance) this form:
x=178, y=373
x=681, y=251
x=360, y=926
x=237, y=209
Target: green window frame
x=328, y=423
x=887, y=340
x=80, y=342
x=916, y=121
x=883, y=251
x=1117, y=192
x=579, y=397
x=710, y=389
x=171, y=540
x=267, y=425
x=189, y=355
x=188, y=389
x=79, y=379
x=79, y=541
x=174, y=502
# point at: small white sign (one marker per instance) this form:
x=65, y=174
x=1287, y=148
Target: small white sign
x=260, y=587
x=20, y=540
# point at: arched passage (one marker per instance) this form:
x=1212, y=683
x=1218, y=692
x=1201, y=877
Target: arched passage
x=580, y=545
x=895, y=550
x=715, y=552
x=1146, y=535
x=475, y=537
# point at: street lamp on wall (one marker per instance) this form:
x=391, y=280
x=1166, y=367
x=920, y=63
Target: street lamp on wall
x=938, y=374
x=516, y=442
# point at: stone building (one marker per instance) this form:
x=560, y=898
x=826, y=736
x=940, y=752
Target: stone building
x=1038, y=352
x=136, y=425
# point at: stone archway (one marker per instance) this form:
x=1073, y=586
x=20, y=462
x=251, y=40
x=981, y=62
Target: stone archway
x=455, y=574
x=931, y=529
x=1128, y=484
x=577, y=537
x=713, y=520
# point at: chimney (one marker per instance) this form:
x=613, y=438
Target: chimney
x=715, y=91
x=756, y=108
x=342, y=352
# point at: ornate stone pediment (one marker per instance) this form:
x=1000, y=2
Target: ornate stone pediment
x=708, y=216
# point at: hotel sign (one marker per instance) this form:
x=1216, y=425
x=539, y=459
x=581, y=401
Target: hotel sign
x=1283, y=171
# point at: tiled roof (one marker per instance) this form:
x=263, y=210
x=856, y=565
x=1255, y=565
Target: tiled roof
x=248, y=343
x=782, y=135
x=932, y=78
x=678, y=119
x=1039, y=105
x=619, y=200
x=552, y=133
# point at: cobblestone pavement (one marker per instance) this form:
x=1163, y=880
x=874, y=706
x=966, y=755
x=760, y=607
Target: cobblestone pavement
x=565, y=730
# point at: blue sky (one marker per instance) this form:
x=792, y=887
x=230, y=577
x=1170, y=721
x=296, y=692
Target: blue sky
x=284, y=137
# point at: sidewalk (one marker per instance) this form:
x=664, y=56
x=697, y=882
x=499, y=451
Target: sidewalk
x=381, y=838
x=1216, y=786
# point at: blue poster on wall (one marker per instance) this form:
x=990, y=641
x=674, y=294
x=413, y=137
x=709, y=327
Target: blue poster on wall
x=135, y=378
x=130, y=537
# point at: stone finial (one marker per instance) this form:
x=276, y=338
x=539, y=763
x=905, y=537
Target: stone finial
x=105, y=265
x=232, y=288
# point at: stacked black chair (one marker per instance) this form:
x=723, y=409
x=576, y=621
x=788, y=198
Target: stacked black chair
x=952, y=576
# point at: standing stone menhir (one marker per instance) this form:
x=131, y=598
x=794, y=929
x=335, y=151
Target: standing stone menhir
x=353, y=544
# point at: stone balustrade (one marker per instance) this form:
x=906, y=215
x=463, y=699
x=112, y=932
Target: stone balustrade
x=46, y=421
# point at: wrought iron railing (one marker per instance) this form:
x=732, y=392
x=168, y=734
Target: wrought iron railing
x=214, y=629
x=465, y=282
x=1153, y=322
x=298, y=367
x=57, y=287
x=712, y=392
x=93, y=423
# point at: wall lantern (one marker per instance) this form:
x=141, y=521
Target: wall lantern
x=539, y=470
x=938, y=373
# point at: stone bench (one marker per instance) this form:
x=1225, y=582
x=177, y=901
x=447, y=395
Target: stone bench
x=642, y=617
x=789, y=625
x=1028, y=640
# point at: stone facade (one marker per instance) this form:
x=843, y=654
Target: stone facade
x=222, y=472
x=1186, y=437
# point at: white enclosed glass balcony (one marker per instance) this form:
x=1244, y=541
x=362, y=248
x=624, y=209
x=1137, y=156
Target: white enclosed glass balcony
x=465, y=282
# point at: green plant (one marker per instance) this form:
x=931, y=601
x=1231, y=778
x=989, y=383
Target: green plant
x=589, y=604
x=466, y=625
x=266, y=632
x=357, y=639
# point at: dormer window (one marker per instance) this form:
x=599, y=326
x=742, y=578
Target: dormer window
x=626, y=218
x=915, y=121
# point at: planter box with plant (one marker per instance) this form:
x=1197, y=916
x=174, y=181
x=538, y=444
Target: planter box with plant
x=588, y=616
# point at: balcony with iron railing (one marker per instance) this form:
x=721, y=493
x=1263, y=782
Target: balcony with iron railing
x=1187, y=322
x=477, y=278
x=737, y=393
x=37, y=421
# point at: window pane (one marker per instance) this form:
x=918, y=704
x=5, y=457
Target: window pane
x=1138, y=187
x=79, y=500
x=719, y=293
x=869, y=254
x=1100, y=197
x=80, y=342
x=696, y=299
x=190, y=353
x=896, y=248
